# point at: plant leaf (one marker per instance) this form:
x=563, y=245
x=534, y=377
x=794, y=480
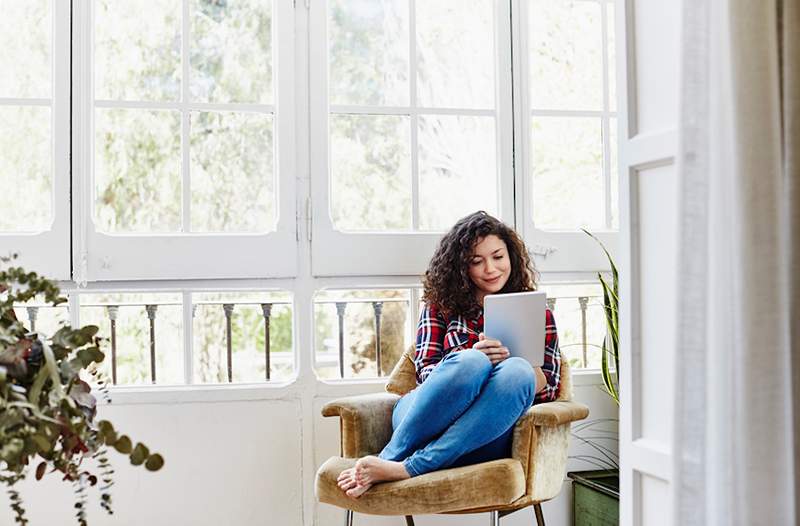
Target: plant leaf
x=40, y=469
x=123, y=445
x=140, y=454
x=154, y=462
x=42, y=444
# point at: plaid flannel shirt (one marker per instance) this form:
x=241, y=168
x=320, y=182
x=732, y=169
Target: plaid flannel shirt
x=438, y=336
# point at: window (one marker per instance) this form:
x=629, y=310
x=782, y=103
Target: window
x=201, y=133
x=34, y=134
x=362, y=333
x=192, y=337
x=411, y=113
x=566, y=123
x=189, y=135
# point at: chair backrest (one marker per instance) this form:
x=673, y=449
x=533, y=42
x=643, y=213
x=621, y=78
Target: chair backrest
x=404, y=376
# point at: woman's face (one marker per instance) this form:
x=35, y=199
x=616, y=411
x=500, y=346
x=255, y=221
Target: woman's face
x=489, y=266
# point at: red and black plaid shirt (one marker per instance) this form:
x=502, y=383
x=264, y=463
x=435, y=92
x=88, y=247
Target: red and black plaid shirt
x=438, y=336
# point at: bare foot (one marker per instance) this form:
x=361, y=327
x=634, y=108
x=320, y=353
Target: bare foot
x=347, y=479
x=371, y=470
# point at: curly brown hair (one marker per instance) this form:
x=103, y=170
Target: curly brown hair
x=447, y=285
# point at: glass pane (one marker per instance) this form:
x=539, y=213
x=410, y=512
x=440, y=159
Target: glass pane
x=567, y=171
x=42, y=318
x=137, y=47
x=457, y=169
x=614, y=174
x=566, y=61
x=26, y=26
x=231, y=51
x=133, y=335
x=455, y=53
x=582, y=352
x=370, y=172
x=26, y=173
x=368, y=52
x=137, y=170
x=612, y=57
x=359, y=331
x=248, y=336
x=233, y=182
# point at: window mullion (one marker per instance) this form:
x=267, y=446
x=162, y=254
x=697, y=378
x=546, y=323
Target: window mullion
x=606, y=108
x=188, y=338
x=412, y=83
x=186, y=190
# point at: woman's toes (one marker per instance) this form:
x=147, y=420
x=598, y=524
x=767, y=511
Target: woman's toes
x=347, y=484
x=346, y=474
x=356, y=492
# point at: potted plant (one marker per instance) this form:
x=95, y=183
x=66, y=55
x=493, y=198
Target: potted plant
x=47, y=409
x=596, y=493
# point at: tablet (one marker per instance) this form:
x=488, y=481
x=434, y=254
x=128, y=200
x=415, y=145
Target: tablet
x=518, y=321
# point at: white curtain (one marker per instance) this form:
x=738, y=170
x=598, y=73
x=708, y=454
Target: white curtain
x=738, y=369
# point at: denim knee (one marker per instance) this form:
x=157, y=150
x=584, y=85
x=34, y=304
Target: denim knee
x=469, y=366
x=517, y=373
x=472, y=361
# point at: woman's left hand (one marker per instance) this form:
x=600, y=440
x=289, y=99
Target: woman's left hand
x=493, y=349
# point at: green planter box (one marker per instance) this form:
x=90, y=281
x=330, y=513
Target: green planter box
x=595, y=498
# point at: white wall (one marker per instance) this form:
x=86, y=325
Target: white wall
x=243, y=456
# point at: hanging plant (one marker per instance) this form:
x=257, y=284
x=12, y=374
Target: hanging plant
x=47, y=408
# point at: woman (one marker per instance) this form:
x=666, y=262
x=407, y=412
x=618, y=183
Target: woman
x=469, y=393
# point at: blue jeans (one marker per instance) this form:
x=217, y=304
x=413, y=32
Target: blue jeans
x=464, y=413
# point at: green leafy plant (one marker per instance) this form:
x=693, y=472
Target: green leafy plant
x=47, y=408
x=611, y=342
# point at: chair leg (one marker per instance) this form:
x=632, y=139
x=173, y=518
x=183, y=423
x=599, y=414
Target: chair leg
x=348, y=517
x=409, y=520
x=537, y=509
x=494, y=518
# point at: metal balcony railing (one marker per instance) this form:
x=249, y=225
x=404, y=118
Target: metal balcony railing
x=229, y=309
x=377, y=309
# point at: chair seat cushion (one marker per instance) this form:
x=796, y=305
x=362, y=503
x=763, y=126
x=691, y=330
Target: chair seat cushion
x=495, y=483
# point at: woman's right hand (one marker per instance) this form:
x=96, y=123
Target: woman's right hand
x=494, y=349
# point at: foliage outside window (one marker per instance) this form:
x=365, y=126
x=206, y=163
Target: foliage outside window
x=184, y=149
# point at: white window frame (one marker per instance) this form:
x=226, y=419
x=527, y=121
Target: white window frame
x=337, y=253
x=47, y=252
x=558, y=254
x=340, y=260
x=99, y=256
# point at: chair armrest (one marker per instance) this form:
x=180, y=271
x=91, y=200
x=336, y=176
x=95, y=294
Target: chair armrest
x=365, y=422
x=537, y=431
x=554, y=413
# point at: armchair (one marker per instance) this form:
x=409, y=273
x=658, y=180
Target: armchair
x=534, y=473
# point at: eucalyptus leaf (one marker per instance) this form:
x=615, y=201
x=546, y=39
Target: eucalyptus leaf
x=40, y=470
x=42, y=443
x=140, y=454
x=154, y=462
x=123, y=445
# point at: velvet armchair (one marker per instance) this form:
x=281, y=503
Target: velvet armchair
x=534, y=473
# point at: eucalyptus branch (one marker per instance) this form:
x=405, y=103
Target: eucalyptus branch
x=47, y=410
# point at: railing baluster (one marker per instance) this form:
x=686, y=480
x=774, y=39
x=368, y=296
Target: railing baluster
x=266, y=310
x=151, y=314
x=228, y=308
x=340, y=307
x=33, y=313
x=584, y=301
x=112, y=311
x=551, y=304
x=377, y=307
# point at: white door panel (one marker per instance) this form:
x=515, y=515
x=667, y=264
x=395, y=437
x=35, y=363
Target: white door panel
x=649, y=33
